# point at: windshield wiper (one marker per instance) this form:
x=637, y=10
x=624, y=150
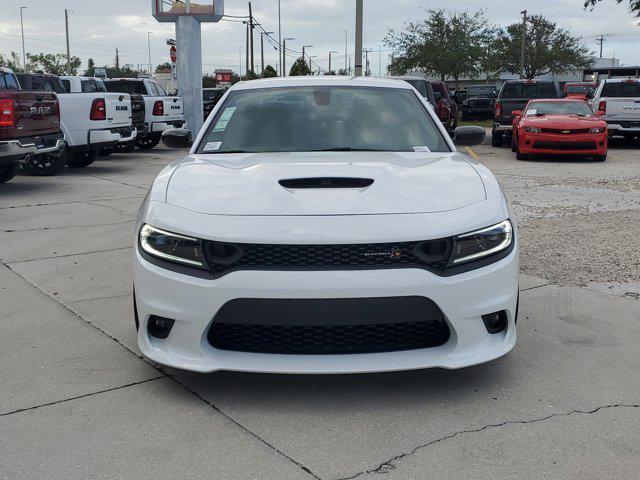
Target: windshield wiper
x=346, y=149
x=229, y=151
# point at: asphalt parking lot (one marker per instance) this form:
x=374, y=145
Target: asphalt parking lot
x=78, y=401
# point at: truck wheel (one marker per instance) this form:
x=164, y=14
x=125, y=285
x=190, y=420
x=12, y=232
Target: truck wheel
x=514, y=143
x=496, y=139
x=81, y=159
x=43, y=165
x=148, y=142
x=600, y=158
x=8, y=172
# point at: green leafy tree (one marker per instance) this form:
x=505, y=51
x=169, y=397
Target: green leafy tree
x=443, y=44
x=163, y=66
x=269, y=72
x=548, y=49
x=208, y=81
x=54, y=63
x=91, y=68
x=14, y=62
x=634, y=5
x=299, y=68
x=251, y=75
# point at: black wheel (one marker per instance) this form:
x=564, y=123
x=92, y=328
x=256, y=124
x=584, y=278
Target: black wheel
x=514, y=140
x=148, y=142
x=496, y=139
x=519, y=155
x=43, y=165
x=81, y=159
x=8, y=172
x=105, y=152
x=600, y=158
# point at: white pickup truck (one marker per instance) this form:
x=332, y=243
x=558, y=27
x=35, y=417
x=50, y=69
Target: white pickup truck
x=619, y=101
x=90, y=120
x=162, y=111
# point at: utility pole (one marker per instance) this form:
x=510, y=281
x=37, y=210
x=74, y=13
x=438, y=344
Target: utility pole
x=262, y=34
x=246, y=43
x=251, y=34
x=524, y=39
x=284, y=55
x=303, y=57
x=358, y=57
x=240, y=61
x=280, y=45
x=24, y=55
x=379, y=60
x=346, y=54
x=366, y=62
x=117, y=60
x=329, y=72
x=66, y=27
x=149, y=45
x=600, y=40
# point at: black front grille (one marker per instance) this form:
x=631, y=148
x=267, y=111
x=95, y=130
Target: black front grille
x=565, y=145
x=226, y=257
x=328, y=326
x=565, y=131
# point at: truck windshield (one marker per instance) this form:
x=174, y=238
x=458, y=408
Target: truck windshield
x=529, y=90
x=8, y=81
x=322, y=118
x=559, y=108
x=629, y=89
x=126, y=87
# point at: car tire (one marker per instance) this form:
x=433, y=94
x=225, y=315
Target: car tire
x=600, y=158
x=8, y=172
x=514, y=143
x=496, y=139
x=148, y=142
x=520, y=155
x=81, y=159
x=43, y=165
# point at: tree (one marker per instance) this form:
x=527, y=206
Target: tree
x=163, y=66
x=250, y=75
x=299, y=68
x=443, y=44
x=269, y=72
x=634, y=5
x=54, y=63
x=13, y=62
x=91, y=68
x=548, y=49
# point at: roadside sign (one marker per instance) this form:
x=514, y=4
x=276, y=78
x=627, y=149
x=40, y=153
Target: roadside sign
x=173, y=55
x=223, y=76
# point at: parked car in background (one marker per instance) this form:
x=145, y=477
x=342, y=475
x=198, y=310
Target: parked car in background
x=618, y=101
x=76, y=84
x=446, y=108
x=90, y=121
x=346, y=236
x=459, y=96
x=479, y=102
x=422, y=85
x=210, y=98
x=559, y=127
x=580, y=90
x=161, y=111
x=29, y=126
x=514, y=95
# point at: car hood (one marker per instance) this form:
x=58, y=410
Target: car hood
x=562, y=121
x=249, y=184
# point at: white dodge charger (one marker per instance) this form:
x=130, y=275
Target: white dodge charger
x=325, y=225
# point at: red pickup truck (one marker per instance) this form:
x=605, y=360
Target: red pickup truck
x=29, y=128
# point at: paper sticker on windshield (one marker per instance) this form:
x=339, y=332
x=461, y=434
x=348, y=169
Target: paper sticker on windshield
x=223, y=121
x=422, y=148
x=531, y=112
x=211, y=146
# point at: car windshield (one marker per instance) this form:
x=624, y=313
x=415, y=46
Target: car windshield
x=578, y=88
x=476, y=91
x=322, y=118
x=419, y=85
x=559, y=108
x=529, y=90
x=625, y=89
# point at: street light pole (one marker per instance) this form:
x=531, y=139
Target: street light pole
x=524, y=39
x=303, y=57
x=24, y=55
x=329, y=72
x=346, y=54
x=284, y=55
x=379, y=60
x=358, y=57
x=280, y=45
x=149, y=46
x=66, y=28
x=240, y=61
x=262, y=34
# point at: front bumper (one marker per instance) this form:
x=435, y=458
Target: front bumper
x=558, y=144
x=193, y=302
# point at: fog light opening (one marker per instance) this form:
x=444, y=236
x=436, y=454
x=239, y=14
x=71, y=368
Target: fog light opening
x=159, y=327
x=495, y=322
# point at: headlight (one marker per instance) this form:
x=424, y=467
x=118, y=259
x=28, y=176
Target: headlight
x=171, y=246
x=482, y=243
x=598, y=130
x=532, y=129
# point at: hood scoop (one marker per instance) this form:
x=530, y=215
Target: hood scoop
x=325, y=182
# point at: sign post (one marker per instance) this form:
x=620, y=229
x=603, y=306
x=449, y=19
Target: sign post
x=187, y=16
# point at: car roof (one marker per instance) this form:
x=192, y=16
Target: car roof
x=328, y=80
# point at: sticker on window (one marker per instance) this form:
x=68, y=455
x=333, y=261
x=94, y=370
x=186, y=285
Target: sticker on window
x=211, y=146
x=223, y=121
x=421, y=148
x=532, y=112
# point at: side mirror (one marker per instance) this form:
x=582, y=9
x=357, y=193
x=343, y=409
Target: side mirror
x=177, y=138
x=469, y=136
x=517, y=113
x=438, y=96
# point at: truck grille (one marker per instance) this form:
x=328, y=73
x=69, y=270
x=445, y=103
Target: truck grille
x=226, y=257
x=328, y=326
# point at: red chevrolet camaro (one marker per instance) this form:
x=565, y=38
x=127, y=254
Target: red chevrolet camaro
x=559, y=127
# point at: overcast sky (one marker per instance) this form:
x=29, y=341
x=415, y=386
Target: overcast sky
x=98, y=26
